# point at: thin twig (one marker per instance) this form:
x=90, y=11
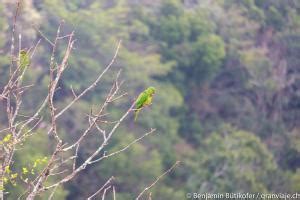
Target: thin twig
x=114, y=193
x=43, y=36
x=157, y=179
x=93, y=84
x=100, y=189
x=52, y=193
x=104, y=192
x=125, y=148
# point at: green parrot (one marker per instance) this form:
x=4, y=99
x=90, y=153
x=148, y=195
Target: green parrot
x=144, y=99
x=24, y=61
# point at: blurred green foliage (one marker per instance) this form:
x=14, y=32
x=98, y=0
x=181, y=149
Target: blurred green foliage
x=227, y=102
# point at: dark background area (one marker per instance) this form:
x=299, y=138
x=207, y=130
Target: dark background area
x=227, y=105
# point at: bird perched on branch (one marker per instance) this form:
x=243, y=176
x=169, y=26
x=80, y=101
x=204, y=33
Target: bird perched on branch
x=24, y=61
x=144, y=99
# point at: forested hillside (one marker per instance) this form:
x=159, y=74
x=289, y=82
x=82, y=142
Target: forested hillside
x=227, y=75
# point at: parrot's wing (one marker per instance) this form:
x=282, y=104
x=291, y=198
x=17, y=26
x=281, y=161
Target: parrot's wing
x=148, y=101
x=142, y=98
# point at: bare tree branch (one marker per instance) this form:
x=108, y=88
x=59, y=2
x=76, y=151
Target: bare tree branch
x=157, y=179
x=100, y=189
x=92, y=85
x=125, y=148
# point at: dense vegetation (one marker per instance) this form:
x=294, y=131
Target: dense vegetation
x=228, y=95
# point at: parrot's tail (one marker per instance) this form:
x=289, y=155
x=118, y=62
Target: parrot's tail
x=136, y=112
